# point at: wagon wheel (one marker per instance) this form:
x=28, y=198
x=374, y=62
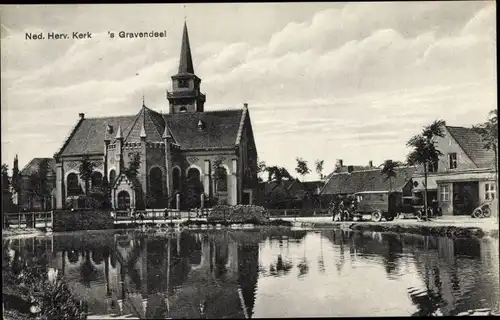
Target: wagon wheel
x=487, y=212
x=477, y=213
x=376, y=216
x=418, y=214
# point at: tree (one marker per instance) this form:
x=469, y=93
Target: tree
x=278, y=173
x=133, y=168
x=6, y=190
x=425, y=152
x=302, y=167
x=389, y=169
x=489, y=135
x=261, y=167
x=319, y=168
x=38, y=184
x=16, y=176
x=85, y=171
x=219, y=175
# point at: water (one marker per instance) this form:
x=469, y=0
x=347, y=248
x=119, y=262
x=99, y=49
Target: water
x=271, y=273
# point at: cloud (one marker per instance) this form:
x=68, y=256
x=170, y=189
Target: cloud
x=340, y=78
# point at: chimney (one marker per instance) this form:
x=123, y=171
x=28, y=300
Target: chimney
x=388, y=162
x=350, y=169
x=82, y=115
x=245, y=105
x=339, y=163
x=370, y=164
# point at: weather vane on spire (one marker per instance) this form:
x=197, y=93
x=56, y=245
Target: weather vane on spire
x=184, y=12
x=143, y=103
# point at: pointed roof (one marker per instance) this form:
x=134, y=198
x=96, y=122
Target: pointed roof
x=147, y=123
x=143, y=132
x=166, y=132
x=185, y=61
x=119, y=132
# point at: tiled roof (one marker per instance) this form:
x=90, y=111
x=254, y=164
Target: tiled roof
x=471, y=142
x=32, y=166
x=220, y=130
x=366, y=180
x=153, y=126
x=312, y=186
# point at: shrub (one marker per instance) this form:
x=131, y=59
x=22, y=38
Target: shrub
x=238, y=214
x=30, y=282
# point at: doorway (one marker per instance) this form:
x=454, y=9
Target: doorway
x=465, y=197
x=123, y=200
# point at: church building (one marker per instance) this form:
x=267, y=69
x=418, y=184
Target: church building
x=177, y=153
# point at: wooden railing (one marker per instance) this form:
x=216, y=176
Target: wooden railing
x=152, y=215
x=28, y=219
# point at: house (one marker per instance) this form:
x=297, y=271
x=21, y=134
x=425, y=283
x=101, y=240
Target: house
x=29, y=197
x=464, y=176
x=348, y=183
x=176, y=151
x=289, y=194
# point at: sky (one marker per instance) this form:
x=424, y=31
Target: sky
x=351, y=81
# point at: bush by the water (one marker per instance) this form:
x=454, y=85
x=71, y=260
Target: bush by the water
x=238, y=214
x=28, y=281
x=280, y=223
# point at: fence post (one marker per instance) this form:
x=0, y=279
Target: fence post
x=45, y=220
x=19, y=220
x=52, y=219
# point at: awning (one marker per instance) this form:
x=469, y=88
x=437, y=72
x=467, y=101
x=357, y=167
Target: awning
x=467, y=177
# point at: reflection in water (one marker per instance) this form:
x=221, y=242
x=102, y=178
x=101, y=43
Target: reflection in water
x=271, y=273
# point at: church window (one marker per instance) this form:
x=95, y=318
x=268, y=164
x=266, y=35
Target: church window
x=112, y=176
x=221, y=179
x=176, y=179
x=96, y=179
x=73, y=185
x=156, y=188
x=183, y=83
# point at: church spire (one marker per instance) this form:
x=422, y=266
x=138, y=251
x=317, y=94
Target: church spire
x=185, y=61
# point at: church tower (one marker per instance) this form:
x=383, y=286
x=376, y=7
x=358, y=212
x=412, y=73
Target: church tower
x=185, y=95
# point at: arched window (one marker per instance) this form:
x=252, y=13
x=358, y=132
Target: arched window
x=112, y=177
x=96, y=179
x=156, y=188
x=73, y=185
x=221, y=179
x=194, y=188
x=176, y=179
x=123, y=200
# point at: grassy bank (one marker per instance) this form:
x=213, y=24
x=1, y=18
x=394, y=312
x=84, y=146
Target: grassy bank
x=426, y=229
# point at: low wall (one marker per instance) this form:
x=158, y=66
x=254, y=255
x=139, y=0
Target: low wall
x=82, y=220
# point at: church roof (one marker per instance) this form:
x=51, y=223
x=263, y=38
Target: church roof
x=220, y=130
x=186, y=61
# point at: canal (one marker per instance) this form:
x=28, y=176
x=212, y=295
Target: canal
x=270, y=272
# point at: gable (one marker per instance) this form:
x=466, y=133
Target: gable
x=472, y=145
